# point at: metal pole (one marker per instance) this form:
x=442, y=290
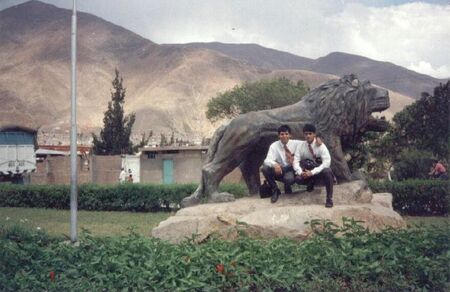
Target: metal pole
x=73, y=131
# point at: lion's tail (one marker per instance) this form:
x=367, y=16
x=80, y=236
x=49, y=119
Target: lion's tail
x=214, y=144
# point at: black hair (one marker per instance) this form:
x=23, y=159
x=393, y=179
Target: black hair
x=309, y=128
x=284, y=128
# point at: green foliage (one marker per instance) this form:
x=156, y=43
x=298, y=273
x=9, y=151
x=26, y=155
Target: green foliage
x=254, y=96
x=144, y=141
x=122, y=197
x=356, y=260
x=412, y=163
x=416, y=197
x=425, y=123
x=115, y=135
x=412, y=197
x=383, y=151
x=360, y=152
x=421, y=128
x=172, y=139
x=163, y=141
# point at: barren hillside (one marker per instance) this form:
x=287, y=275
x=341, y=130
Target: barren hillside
x=167, y=86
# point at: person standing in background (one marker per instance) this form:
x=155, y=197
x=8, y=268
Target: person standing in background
x=123, y=176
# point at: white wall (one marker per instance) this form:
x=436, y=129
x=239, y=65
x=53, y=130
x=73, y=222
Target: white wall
x=132, y=162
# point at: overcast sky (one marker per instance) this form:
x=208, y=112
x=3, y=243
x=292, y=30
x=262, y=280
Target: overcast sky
x=412, y=34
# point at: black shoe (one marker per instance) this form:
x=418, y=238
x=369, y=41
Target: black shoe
x=310, y=188
x=287, y=189
x=329, y=203
x=275, y=194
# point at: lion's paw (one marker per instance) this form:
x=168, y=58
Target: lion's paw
x=221, y=197
x=192, y=200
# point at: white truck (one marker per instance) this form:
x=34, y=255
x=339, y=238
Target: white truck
x=17, y=153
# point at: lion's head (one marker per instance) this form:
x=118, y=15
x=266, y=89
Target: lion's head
x=344, y=107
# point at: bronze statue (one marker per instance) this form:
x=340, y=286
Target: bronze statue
x=341, y=110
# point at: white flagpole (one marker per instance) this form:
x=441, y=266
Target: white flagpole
x=73, y=131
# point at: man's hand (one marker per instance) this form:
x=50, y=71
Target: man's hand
x=278, y=170
x=318, y=141
x=306, y=174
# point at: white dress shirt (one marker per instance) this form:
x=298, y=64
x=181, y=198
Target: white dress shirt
x=277, y=154
x=303, y=152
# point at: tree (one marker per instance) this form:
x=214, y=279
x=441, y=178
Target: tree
x=424, y=124
x=172, y=139
x=115, y=136
x=412, y=163
x=163, y=141
x=259, y=95
x=418, y=132
x=143, y=142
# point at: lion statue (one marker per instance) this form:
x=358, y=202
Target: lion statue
x=340, y=109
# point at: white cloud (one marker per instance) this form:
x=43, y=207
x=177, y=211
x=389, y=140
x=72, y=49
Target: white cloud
x=406, y=34
x=403, y=34
x=426, y=68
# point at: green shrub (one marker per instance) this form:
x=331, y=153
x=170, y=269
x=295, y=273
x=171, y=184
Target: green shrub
x=413, y=164
x=413, y=259
x=123, y=197
x=416, y=197
x=20, y=233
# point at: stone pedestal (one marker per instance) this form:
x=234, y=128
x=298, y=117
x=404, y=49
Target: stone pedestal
x=260, y=218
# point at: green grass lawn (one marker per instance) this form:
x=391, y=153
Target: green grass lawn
x=57, y=222
x=427, y=220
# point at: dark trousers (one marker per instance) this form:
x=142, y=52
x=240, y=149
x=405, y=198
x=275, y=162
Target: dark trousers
x=326, y=175
x=287, y=177
x=441, y=175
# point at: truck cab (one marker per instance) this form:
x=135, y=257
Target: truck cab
x=17, y=153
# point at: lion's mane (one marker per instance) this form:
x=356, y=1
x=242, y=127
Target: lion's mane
x=339, y=106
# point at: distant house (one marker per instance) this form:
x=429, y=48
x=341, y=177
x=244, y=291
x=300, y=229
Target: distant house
x=172, y=164
x=176, y=164
x=53, y=165
x=65, y=149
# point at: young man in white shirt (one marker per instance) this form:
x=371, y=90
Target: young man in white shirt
x=309, y=174
x=278, y=164
x=122, y=176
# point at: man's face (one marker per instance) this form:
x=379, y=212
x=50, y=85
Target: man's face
x=309, y=136
x=284, y=137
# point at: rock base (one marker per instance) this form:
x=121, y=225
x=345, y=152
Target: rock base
x=286, y=218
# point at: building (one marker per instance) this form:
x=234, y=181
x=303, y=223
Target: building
x=54, y=165
x=176, y=164
x=172, y=164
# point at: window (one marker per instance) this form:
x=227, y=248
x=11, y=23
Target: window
x=151, y=155
x=170, y=151
x=16, y=138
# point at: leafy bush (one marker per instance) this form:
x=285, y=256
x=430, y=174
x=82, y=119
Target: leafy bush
x=413, y=164
x=123, y=197
x=392, y=260
x=19, y=233
x=416, y=197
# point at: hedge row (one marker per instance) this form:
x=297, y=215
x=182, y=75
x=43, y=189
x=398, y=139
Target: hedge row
x=410, y=197
x=416, y=197
x=124, y=197
x=414, y=259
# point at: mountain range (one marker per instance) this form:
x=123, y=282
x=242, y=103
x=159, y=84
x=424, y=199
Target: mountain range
x=384, y=74
x=167, y=86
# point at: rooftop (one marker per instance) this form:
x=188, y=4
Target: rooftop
x=173, y=148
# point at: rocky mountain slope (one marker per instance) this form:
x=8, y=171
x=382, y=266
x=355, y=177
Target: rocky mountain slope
x=386, y=74
x=168, y=86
